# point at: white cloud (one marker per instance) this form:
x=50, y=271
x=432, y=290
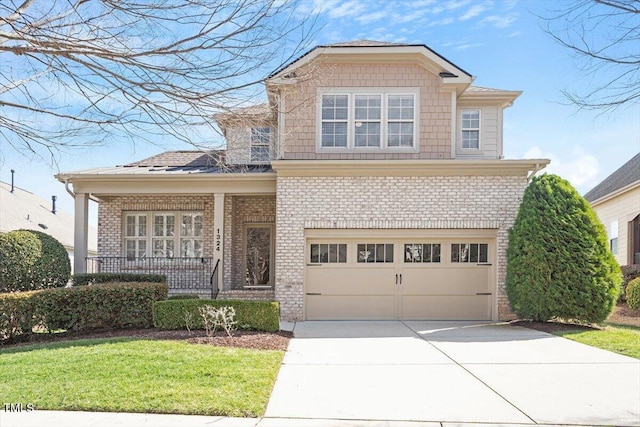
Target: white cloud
x=472, y=12
x=467, y=46
x=350, y=8
x=445, y=21
x=372, y=17
x=499, y=21
x=581, y=169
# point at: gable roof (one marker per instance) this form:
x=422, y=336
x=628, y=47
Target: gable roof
x=448, y=68
x=24, y=210
x=624, y=176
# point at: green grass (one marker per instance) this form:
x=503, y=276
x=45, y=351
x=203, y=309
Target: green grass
x=128, y=375
x=619, y=339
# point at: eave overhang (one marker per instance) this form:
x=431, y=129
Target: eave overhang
x=503, y=97
x=616, y=193
x=103, y=185
x=408, y=167
x=452, y=76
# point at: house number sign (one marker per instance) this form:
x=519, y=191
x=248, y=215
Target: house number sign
x=218, y=240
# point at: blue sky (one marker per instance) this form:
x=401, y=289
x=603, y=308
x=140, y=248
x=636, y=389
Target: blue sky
x=500, y=42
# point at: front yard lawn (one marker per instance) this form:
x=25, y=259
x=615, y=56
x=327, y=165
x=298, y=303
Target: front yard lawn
x=620, y=339
x=139, y=375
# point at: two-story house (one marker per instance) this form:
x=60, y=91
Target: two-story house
x=372, y=185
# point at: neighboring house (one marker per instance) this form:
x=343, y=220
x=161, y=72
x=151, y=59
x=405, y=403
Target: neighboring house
x=372, y=185
x=616, y=200
x=20, y=209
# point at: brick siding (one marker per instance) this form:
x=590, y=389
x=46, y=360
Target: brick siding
x=110, y=229
x=388, y=203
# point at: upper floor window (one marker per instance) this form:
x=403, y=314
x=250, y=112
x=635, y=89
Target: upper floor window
x=361, y=119
x=470, y=129
x=260, y=144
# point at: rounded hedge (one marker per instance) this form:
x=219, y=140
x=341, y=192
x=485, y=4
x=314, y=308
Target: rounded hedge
x=558, y=261
x=633, y=294
x=31, y=260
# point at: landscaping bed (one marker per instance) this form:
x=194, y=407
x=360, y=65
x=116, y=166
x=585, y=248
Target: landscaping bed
x=240, y=339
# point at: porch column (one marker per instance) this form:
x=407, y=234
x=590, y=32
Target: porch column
x=80, y=232
x=218, y=231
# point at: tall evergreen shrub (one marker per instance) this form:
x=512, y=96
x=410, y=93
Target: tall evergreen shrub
x=31, y=260
x=558, y=261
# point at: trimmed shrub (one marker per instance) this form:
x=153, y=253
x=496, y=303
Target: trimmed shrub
x=16, y=314
x=184, y=296
x=257, y=315
x=629, y=272
x=83, y=279
x=558, y=261
x=109, y=306
x=31, y=260
x=633, y=294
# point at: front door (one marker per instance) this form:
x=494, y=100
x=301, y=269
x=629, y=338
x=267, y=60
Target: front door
x=258, y=255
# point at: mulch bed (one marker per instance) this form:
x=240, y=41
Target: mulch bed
x=622, y=315
x=243, y=339
x=552, y=327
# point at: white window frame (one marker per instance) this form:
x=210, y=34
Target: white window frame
x=259, y=132
x=613, y=237
x=384, y=93
x=177, y=238
x=478, y=129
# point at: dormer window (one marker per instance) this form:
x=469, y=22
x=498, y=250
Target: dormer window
x=470, y=129
x=260, y=144
x=368, y=119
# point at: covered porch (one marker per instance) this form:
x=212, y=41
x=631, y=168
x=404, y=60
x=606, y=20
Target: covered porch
x=209, y=229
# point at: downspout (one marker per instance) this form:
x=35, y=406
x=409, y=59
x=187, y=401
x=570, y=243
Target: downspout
x=72, y=194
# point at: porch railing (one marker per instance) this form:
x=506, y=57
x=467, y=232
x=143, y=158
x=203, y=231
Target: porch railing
x=214, y=281
x=182, y=273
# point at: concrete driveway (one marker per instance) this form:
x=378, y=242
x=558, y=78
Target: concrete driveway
x=455, y=372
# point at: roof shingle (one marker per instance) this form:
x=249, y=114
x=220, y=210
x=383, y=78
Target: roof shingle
x=625, y=175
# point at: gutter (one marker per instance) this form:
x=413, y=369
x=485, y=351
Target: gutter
x=72, y=194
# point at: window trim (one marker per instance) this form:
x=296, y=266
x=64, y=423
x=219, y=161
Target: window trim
x=384, y=93
x=149, y=237
x=268, y=144
x=479, y=129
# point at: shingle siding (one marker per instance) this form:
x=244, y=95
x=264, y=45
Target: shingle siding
x=300, y=104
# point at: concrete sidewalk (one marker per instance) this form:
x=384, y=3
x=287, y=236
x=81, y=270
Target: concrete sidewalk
x=452, y=372
x=108, y=419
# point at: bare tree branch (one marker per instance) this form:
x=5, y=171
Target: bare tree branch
x=604, y=36
x=81, y=72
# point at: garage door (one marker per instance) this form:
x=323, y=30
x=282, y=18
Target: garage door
x=433, y=278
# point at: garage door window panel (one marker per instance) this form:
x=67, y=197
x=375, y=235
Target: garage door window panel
x=375, y=252
x=422, y=252
x=469, y=252
x=328, y=253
